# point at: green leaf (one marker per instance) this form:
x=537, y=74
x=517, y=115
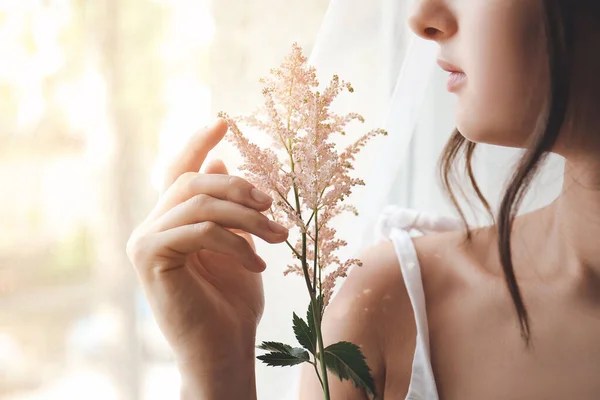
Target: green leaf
x=347, y=361
x=306, y=337
x=278, y=359
x=282, y=354
x=276, y=347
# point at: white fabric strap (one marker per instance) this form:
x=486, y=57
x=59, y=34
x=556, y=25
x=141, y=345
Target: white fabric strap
x=395, y=223
x=422, y=382
x=406, y=219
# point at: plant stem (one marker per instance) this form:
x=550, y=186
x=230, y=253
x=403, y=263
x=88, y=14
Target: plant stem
x=293, y=249
x=316, y=310
x=317, y=371
x=321, y=358
x=320, y=286
x=310, y=219
x=316, y=250
x=317, y=317
x=311, y=289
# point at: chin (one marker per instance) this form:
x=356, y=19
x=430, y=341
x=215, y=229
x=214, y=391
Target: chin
x=473, y=129
x=487, y=136
x=488, y=132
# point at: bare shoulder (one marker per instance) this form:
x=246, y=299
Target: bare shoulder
x=373, y=309
x=379, y=300
x=372, y=301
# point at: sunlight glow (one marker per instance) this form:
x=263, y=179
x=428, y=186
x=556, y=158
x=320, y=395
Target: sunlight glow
x=188, y=97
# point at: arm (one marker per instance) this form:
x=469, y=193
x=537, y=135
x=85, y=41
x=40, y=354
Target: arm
x=372, y=310
x=233, y=377
x=238, y=382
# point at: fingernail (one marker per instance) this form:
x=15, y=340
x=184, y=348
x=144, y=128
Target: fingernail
x=275, y=227
x=259, y=196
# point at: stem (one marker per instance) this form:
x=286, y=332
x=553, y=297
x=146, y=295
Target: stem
x=316, y=252
x=320, y=286
x=316, y=311
x=284, y=199
x=317, y=371
x=293, y=249
x=317, y=321
x=311, y=290
x=316, y=316
x=310, y=219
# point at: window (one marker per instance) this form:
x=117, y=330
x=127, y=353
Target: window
x=94, y=96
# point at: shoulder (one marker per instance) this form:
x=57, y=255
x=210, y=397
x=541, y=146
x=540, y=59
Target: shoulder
x=374, y=311
x=373, y=308
x=372, y=302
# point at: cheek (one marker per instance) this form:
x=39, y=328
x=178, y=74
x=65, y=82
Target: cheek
x=505, y=90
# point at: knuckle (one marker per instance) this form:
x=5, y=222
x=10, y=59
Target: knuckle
x=206, y=228
x=189, y=182
x=201, y=200
x=238, y=187
x=139, y=249
x=236, y=181
x=253, y=218
x=185, y=178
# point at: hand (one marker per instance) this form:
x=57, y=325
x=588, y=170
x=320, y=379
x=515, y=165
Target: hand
x=196, y=259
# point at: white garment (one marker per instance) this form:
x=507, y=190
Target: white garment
x=395, y=224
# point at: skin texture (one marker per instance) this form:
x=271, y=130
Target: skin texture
x=208, y=299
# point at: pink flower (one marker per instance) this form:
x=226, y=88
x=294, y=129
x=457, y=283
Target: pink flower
x=303, y=170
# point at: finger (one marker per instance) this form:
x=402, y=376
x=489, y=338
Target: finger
x=227, y=214
x=224, y=187
x=246, y=236
x=193, y=238
x=216, y=167
x=192, y=156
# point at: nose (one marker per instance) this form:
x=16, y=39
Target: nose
x=433, y=20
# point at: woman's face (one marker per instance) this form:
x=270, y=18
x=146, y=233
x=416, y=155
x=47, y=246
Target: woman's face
x=500, y=47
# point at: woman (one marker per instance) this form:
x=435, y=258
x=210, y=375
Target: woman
x=512, y=310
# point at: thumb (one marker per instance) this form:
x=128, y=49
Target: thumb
x=216, y=167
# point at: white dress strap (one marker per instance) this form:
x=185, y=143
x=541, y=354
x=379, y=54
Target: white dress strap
x=395, y=224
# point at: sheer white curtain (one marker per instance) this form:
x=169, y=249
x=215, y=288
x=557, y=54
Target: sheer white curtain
x=399, y=87
x=417, y=185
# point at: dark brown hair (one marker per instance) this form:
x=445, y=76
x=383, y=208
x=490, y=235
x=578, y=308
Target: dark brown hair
x=558, y=28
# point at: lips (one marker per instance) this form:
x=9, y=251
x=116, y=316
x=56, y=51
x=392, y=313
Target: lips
x=446, y=66
x=457, y=76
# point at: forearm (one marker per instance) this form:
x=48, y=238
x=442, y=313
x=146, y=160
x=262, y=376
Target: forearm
x=237, y=383
x=231, y=377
